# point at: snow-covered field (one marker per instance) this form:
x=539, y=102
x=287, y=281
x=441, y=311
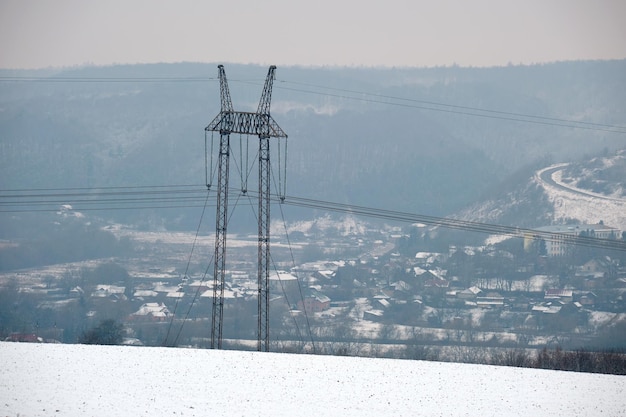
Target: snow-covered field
x=80, y=380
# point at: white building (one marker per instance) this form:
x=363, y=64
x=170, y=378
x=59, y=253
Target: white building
x=558, y=238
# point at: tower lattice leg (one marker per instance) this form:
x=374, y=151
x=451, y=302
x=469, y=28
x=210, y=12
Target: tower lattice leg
x=264, y=243
x=221, y=221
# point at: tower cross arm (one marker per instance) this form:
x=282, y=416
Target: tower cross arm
x=246, y=123
x=266, y=95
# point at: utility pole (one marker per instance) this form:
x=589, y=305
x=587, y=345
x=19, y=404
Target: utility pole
x=265, y=127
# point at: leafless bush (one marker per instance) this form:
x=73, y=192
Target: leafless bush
x=513, y=357
x=608, y=362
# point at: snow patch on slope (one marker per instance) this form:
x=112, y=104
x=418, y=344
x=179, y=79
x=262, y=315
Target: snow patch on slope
x=346, y=226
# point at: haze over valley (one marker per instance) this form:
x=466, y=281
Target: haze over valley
x=444, y=214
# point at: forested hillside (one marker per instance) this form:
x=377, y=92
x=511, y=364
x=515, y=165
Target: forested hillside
x=429, y=140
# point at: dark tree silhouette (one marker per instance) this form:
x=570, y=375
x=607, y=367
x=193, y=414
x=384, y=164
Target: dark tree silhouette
x=108, y=332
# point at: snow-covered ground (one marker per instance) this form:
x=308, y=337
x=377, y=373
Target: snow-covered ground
x=80, y=380
x=574, y=203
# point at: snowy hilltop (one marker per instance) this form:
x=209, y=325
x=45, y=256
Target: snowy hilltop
x=81, y=380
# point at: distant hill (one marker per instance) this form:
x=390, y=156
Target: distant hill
x=429, y=140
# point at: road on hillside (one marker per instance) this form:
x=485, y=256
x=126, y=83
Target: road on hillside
x=545, y=176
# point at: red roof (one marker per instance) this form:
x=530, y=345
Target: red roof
x=23, y=337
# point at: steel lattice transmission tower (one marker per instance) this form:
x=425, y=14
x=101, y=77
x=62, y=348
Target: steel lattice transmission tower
x=265, y=127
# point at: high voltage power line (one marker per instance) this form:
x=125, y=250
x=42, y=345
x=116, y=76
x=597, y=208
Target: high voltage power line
x=457, y=224
x=105, y=198
x=190, y=196
x=458, y=109
x=354, y=95
x=194, y=196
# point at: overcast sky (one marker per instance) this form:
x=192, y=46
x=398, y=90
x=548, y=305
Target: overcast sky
x=35, y=34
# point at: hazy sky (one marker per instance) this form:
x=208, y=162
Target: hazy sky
x=44, y=33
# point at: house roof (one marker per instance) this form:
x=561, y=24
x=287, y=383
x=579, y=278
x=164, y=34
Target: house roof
x=282, y=276
x=103, y=290
x=175, y=294
x=153, y=309
x=327, y=273
x=470, y=291
x=322, y=298
x=558, y=293
x=160, y=287
x=546, y=309
x=78, y=290
x=384, y=303
x=439, y=283
x=201, y=283
x=401, y=286
x=438, y=273
x=490, y=302
x=145, y=293
x=418, y=271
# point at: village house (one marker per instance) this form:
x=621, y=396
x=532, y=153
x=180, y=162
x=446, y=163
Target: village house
x=373, y=315
x=103, y=291
x=565, y=296
x=142, y=294
x=427, y=259
x=280, y=281
x=597, y=272
x=435, y=278
x=398, y=290
x=587, y=299
x=314, y=302
x=490, y=300
x=151, y=312
x=381, y=301
x=469, y=293
x=602, y=265
x=24, y=338
x=200, y=286
x=77, y=292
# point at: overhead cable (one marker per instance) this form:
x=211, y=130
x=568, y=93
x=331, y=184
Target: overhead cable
x=100, y=202
x=354, y=95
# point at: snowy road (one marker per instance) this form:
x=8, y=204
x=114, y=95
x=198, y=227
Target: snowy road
x=547, y=177
x=574, y=203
